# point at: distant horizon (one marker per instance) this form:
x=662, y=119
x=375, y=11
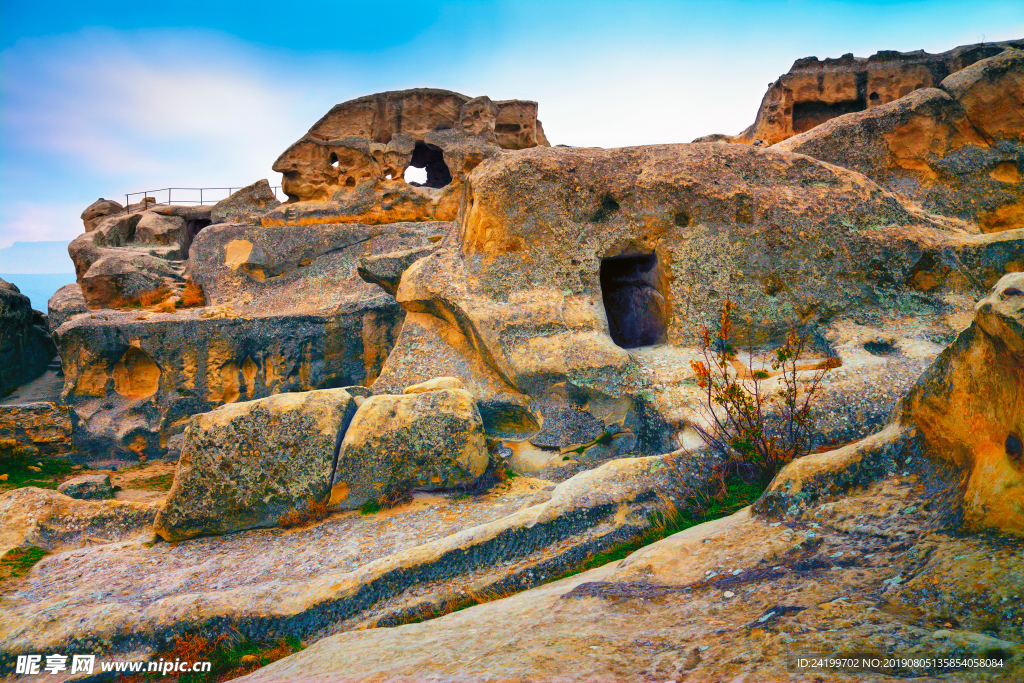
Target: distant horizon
x=101, y=101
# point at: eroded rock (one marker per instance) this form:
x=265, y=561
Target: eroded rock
x=956, y=150
x=243, y=466
x=25, y=344
x=350, y=166
x=814, y=90
x=88, y=487
x=432, y=438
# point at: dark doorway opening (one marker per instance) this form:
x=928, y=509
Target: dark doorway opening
x=431, y=158
x=193, y=226
x=633, y=300
x=807, y=115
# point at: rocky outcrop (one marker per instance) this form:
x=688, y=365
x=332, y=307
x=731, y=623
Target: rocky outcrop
x=966, y=412
x=88, y=487
x=99, y=209
x=564, y=259
x=245, y=205
x=55, y=522
x=955, y=149
x=350, y=166
x=431, y=439
x=43, y=426
x=814, y=91
x=243, y=466
x=66, y=302
x=285, y=311
x=347, y=570
x=25, y=344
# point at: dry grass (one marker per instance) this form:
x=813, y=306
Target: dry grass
x=193, y=296
x=144, y=300
x=230, y=657
x=314, y=511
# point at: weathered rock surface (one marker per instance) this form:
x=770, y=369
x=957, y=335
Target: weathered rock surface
x=349, y=570
x=244, y=465
x=875, y=574
x=350, y=166
x=430, y=439
x=44, y=426
x=88, y=487
x=25, y=344
x=286, y=311
x=956, y=150
x=563, y=256
x=55, y=522
x=245, y=205
x=815, y=91
x=66, y=302
x=101, y=208
x=966, y=412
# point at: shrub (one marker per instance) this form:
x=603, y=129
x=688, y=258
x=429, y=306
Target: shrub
x=313, y=511
x=757, y=419
x=193, y=296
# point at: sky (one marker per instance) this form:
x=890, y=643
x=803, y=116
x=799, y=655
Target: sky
x=99, y=99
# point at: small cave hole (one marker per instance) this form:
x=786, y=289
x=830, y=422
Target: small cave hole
x=1014, y=449
x=333, y=160
x=874, y=97
x=350, y=182
x=681, y=218
x=631, y=287
x=429, y=158
x=609, y=207
x=880, y=347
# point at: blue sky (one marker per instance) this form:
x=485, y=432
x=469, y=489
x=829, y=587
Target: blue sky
x=103, y=98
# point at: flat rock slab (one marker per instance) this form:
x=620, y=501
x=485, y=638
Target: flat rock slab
x=740, y=598
x=317, y=580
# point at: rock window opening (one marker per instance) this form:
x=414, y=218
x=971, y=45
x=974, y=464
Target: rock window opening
x=633, y=300
x=434, y=171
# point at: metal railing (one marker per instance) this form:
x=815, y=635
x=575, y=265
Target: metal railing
x=195, y=200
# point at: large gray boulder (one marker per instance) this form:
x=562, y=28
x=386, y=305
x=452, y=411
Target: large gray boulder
x=430, y=439
x=245, y=465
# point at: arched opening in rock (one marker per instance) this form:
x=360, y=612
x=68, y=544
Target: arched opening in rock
x=634, y=302
x=430, y=158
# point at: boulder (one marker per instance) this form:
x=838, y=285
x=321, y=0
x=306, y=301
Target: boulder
x=940, y=147
x=88, y=487
x=431, y=440
x=245, y=205
x=66, y=303
x=101, y=208
x=25, y=344
x=386, y=269
x=243, y=466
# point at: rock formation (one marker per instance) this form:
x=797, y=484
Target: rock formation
x=245, y=465
x=350, y=166
x=955, y=148
x=25, y=344
x=533, y=311
x=564, y=259
x=815, y=91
